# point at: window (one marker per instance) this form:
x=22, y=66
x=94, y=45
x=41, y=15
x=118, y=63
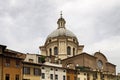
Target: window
x=55, y=51
x=7, y=63
x=50, y=40
x=95, y=75
x=7, y=77
x=17, y=77
x=17, y=63
x=56, y=69
x=43, y=68
x=56, y=77
x=39, y=59
x=73, y=40
x=64, y=77
x=50, y=51
x=73, y=51
x=26, y=70
x=51, y=76
x=43, y=75
x=84, y=73
x=51, y=68
x=37, y=71
x=68, y=50
x=64, y=71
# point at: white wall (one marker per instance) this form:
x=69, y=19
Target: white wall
x=47, y=70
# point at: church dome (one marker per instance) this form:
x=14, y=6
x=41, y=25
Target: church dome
x=61, y=30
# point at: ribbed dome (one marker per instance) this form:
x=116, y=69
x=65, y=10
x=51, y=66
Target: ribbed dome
x=61, y=32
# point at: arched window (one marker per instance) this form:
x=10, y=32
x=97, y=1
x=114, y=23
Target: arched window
x=68, y=50
x=55, y=51
x=50, y=51
x=73, y=51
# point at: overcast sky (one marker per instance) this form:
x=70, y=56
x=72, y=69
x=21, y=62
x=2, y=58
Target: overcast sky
x=25, y=24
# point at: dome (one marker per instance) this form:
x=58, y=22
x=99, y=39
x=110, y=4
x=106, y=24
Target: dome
x=61, y=32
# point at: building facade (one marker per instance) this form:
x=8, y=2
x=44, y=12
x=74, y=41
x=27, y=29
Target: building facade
x=10, y=64
x=51, y=71
x=33, y=58
x=31, y=71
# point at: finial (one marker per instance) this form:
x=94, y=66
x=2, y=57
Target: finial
x=61, y=14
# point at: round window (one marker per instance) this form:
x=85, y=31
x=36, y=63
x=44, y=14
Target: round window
x=99, y=64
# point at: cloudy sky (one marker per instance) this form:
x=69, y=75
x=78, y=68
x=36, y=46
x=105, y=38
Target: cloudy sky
x=25, y=24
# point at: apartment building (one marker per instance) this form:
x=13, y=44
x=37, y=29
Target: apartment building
x=11, y=64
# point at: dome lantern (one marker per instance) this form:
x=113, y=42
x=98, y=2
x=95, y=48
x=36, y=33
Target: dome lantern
x=61, y=22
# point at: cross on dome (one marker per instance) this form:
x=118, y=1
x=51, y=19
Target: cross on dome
x=61, y=13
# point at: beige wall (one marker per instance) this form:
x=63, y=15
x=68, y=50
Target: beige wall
x=31, y=56
x=61, y=43
x=82, y=76
x=31, y=76
x=90, y=76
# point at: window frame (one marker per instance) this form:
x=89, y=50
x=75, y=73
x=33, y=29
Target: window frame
x=56, y=77
x=26, y=70
x=68, y=50
x=7, y=62
x=55, y=50
x=37, y=71
x=64, y=77
x=51, y=76
x=43, y=75
x=17, y=77
x=17, y=63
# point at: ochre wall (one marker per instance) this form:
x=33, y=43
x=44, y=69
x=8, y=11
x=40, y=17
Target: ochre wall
x=12, y=69
x=72, y=74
